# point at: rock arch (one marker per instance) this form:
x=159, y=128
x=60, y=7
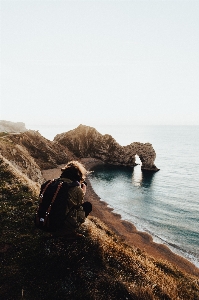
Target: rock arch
x=85, y=141
x=146, y=153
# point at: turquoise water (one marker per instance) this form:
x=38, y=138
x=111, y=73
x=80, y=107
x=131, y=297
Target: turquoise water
x=164, y=204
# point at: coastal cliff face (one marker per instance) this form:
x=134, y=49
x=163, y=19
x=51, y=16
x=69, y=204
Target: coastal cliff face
x=30, y=152
x=85, y=141
x=107, y=267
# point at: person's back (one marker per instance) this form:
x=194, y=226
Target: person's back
x=76, y=210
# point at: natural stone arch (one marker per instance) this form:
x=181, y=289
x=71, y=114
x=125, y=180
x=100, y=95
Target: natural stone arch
x=85, y=141
x=145, y=152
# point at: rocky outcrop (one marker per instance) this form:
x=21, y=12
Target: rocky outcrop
x=146, y=154
x=15, y=127
x=30, y=152
x=47, y=154
x=85, y=141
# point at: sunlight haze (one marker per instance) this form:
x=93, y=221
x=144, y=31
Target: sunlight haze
x=100, y=62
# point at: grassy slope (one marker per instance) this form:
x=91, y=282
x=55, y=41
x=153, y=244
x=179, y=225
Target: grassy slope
x=99, y=266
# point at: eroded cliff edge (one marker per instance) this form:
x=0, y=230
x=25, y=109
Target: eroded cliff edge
x=29, y=152
x=85, y=141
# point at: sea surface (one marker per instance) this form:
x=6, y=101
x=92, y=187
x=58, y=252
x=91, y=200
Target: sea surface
x=164, y=204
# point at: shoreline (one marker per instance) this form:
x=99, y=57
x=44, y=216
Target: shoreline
x=125, y=229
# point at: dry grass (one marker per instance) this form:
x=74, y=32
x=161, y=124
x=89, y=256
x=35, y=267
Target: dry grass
x=150, y=279
x=98, y=266
x=12, y=179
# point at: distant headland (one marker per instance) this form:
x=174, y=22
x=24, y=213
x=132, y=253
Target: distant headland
x=14, y=127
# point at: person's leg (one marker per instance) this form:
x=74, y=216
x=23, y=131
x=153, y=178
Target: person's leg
x=87, y=207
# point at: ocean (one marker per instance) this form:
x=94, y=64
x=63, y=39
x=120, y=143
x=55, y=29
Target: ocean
x=164, y=204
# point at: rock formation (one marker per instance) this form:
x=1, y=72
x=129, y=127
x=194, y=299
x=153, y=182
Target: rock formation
x=47, y=154
x=30, y=152
x=85, y=141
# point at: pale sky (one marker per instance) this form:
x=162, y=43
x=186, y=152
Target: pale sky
x=100, y=62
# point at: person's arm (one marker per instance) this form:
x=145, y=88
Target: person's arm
x=83, y=187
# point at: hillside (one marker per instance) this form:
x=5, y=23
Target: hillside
x=30, y=152
x=100, y=265
x=97, y=266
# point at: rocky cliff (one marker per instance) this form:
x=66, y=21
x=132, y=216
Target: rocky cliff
x=85, y=141
x=30, y=152
x=100, y=265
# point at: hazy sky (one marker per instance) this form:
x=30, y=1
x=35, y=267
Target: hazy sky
x=100, y=62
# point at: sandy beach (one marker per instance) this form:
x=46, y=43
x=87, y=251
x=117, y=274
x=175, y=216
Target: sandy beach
x=126, y=230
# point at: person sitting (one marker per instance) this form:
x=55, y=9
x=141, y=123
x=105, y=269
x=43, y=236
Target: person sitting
x=76, y=209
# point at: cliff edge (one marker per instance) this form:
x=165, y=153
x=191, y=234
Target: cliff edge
x=29, y=152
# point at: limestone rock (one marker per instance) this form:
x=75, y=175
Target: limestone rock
x=30, y=152
x=146, y=154
x=47, y=154
x=85, y=141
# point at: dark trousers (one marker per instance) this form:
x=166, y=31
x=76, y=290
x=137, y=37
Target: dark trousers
x=87, y=207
